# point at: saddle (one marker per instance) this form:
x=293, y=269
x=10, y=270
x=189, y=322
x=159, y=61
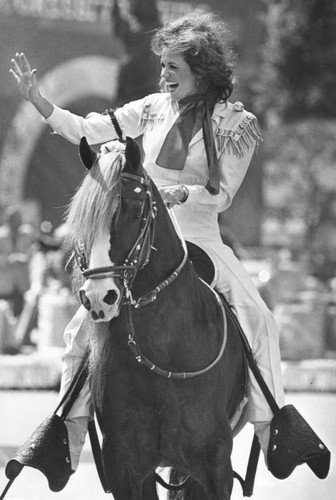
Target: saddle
x=202, y=263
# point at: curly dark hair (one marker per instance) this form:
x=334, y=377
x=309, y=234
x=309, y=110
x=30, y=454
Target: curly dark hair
x=203, y=40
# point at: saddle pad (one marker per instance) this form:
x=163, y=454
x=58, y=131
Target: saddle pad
x=202, y=263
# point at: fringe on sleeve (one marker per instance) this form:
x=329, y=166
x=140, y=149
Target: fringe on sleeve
x=238, y=140
x=149, y=116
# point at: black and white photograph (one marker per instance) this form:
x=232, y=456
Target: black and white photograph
x=167, y=249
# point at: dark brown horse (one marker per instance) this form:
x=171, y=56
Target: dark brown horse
x=167, y=370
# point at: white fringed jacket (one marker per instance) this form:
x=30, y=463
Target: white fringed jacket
x=236, y=133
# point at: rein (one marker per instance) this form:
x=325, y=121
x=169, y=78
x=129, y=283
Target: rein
x=143, y=360
x=137, y=258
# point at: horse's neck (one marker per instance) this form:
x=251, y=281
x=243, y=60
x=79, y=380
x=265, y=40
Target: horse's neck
x=166, y=256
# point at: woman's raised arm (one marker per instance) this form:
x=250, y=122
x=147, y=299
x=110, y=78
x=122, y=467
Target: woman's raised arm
x=26, y=81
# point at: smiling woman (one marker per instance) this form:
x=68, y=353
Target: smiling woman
x=176, y=76
x=205, y=59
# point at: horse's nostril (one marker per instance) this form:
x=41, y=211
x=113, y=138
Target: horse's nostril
x=110, y=297
x=94, y=315
x=101, y=314
x=84, y=300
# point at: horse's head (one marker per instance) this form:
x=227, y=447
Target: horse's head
x=110, y=222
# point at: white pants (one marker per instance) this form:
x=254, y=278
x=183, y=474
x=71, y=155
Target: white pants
x=257, y=321
x=76, y=341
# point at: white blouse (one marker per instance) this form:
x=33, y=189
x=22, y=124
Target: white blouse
x=236, y=133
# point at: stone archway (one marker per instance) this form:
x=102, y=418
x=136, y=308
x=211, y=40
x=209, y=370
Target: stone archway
x=72, y=80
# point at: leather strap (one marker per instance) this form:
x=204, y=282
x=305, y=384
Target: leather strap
x=247, y=484
x=115, y=124
x=251, y=361
x=97, y=455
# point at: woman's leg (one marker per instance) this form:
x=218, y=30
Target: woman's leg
x=76, y=340
x=260, y=328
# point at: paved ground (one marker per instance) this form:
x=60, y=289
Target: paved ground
x=22, y=411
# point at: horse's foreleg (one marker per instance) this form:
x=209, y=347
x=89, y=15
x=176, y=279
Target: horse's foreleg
x=149, y=491
x=219, y=481
x=214, y=474
x=123, y=484
x=194, y=491
x=126, y=486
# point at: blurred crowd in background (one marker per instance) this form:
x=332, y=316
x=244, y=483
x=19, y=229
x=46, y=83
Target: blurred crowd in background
x=282, y=223
x=36, y=298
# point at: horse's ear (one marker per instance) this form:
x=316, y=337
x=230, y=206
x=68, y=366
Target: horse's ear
x=132, y=154
x=87, y=155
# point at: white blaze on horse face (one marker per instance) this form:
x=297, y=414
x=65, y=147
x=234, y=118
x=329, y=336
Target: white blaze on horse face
x=101, y=297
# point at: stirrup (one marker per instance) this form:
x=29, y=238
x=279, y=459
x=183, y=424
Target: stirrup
x=293, y=442
x=47, y=450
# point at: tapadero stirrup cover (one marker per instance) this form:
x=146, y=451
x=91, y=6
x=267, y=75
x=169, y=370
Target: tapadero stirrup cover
x=293, y=442
x=47, y=450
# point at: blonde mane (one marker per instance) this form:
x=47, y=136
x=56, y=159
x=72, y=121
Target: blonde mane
x=96, y=201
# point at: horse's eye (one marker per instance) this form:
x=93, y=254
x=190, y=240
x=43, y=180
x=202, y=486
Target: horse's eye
x=136, y=214
x=134, y=207
x=137, y=211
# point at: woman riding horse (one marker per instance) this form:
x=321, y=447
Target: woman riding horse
x=179, y=411
x=197, y=148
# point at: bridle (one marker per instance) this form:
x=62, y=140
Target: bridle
x=139, y=255
x=137, y=258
